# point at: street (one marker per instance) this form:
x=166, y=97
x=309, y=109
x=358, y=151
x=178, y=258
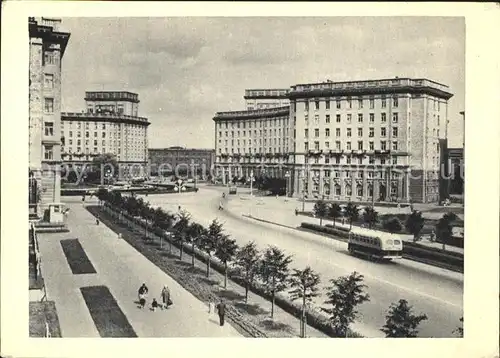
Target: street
x=436, y=292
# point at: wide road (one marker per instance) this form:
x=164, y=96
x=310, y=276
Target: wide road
x=436, y=292
x=122, y=269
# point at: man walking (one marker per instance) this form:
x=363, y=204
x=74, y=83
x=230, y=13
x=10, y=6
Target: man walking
x=221, y=309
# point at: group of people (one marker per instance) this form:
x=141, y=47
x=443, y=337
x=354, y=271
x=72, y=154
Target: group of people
x=166, y=301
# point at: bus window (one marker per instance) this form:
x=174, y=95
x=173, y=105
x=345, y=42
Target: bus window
x=397, y=242
x=389, y=242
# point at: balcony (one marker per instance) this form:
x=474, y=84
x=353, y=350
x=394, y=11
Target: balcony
x=109, y=115
x=269, y=93
x=257, y=113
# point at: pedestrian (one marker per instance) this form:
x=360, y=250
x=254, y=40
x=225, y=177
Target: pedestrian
x=165, y=297
x=119, y=236
x=211, y=305
x=97, y=221
x=143, y=291
x=221, y=310
x=154, y=304
x=296, y=211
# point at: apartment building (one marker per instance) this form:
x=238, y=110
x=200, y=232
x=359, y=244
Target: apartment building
x=109, y=124
x=379, y=140
x=47, y=44
x=266, y=98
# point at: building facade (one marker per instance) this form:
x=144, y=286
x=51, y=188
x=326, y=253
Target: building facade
x=456, y=169
x=47, y=44
x=165, y=161
x=266, y=98
x=109, y=124
x=380, y=140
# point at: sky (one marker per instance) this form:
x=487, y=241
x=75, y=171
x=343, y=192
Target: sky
x=187, y=68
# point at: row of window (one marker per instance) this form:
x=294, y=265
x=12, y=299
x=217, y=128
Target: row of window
x=349, y=100
x=348, y=190
x=277, y=141
x=255, y=150
x=265, y=132
x=371, y=116
x=338, y=145
x=356, y=174
x=371, y=132
x=116, y=126
x=254, y=124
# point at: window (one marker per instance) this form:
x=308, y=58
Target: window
x=372, y=103
x=316, y=160
x=306, y=116
x=371, y=145
x=327, y=119
x=395, y=145
x=371, y=160
x=327, y=145
x=338, y=103
x=349, y=118
x=360, y=118
x=49, y=129
x=337, y=187
x=395, y=131
x=337, y=118
x=383, y=132
x=383, y=117
x=438, y=118
x=360, y=103
x=306, y=146
x=348, y=132
x=384, y=102
x=359, y=189
x=316, y=132
x=306, y=108
x=382, y=162
x=71, y=142
x=316, y=118
x=337, y=145
x=337, y=132
x=48, y=81
x=79, y=142
x=316, y=145
x=49, y=105
x=327, y=172
x=49, y=58
x=360, y=132
x=349, y=103
x=395, y=160
x=316, y=105
x=372, y=117
x=394, y=118
x=306, y=133
x=87, y=134
x=348, y=145
x=394, y=101
x=327, y=104
x=327, y=132
x=383, y=145
x=360, y=145
x=348, y=160
x=48, y=153
x=337, y=160
x=104, y=134
x=103, y=143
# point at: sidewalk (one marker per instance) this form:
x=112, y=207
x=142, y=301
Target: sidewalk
x=122, y=269
x=281, y=211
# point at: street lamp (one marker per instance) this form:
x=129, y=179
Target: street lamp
x=287, y=176
x=251, y=183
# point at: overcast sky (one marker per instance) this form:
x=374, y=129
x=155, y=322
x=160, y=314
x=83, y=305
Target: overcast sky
x=186, y=69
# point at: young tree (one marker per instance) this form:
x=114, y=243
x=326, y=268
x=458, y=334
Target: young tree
x=225, y=251
x=247, y=258
x=344, y=295
x=102, y=195
x=196, y=233
x=304, y=284
x=392, y=225
x=444, y=230
x=320, y=210
x=370, y=216
x=459, y=331
x=273, y=270
x=163, y=221
x=414, y=224
x=352, y=212
x=334, y=212
x=400, y=322
x=209, y=241
x=182, y=229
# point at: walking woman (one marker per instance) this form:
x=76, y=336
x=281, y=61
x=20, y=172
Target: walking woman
x=165, y=297
x=143, y=292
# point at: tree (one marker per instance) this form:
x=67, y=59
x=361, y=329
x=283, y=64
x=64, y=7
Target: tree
x=334, y=212
x=247, y=258
x=392, y=225
x=400, y=322
x=459, y=331
x=344, y=295
x=196, y=233
x=273, y=271
x=105, y=165
x=352, y=212
x=320, y=210
x=182, y=229
x=209, y=241
x=102, y=194
x=304, y=284
x=414, y=224
x=164, y=221
x=225, y=251
x=444, y=229
x=370, y=216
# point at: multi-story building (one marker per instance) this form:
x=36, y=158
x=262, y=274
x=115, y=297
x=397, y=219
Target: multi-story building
x=266, y=98
x=109, y=124
x=47, y=44
x=377, y=140
x=166, y=161
x=455, y=157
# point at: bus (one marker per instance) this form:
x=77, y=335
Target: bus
x=376, y=245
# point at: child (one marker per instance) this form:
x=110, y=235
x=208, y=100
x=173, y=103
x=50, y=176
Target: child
x=154, y=304
x=142, y=301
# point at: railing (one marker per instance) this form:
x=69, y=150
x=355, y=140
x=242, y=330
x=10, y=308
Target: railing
x=397, y=82
x=267, y=111
x=266, y=92
x=100, y=115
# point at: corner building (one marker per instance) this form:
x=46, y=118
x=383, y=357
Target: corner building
x=47, y=44
x=378, y=140
x=109, y=124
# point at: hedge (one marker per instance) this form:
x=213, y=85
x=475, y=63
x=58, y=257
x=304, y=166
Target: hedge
x=314, y=318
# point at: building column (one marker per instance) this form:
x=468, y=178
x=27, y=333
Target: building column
x=365, y=186
x=376, y=189
x=400, y=187
x=321, y=186
x=387, y=185
x=353, y=186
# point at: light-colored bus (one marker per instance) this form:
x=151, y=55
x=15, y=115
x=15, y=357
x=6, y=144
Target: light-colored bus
x=375, y=244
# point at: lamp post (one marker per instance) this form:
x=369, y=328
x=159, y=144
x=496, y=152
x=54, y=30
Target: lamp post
x=287, y=177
